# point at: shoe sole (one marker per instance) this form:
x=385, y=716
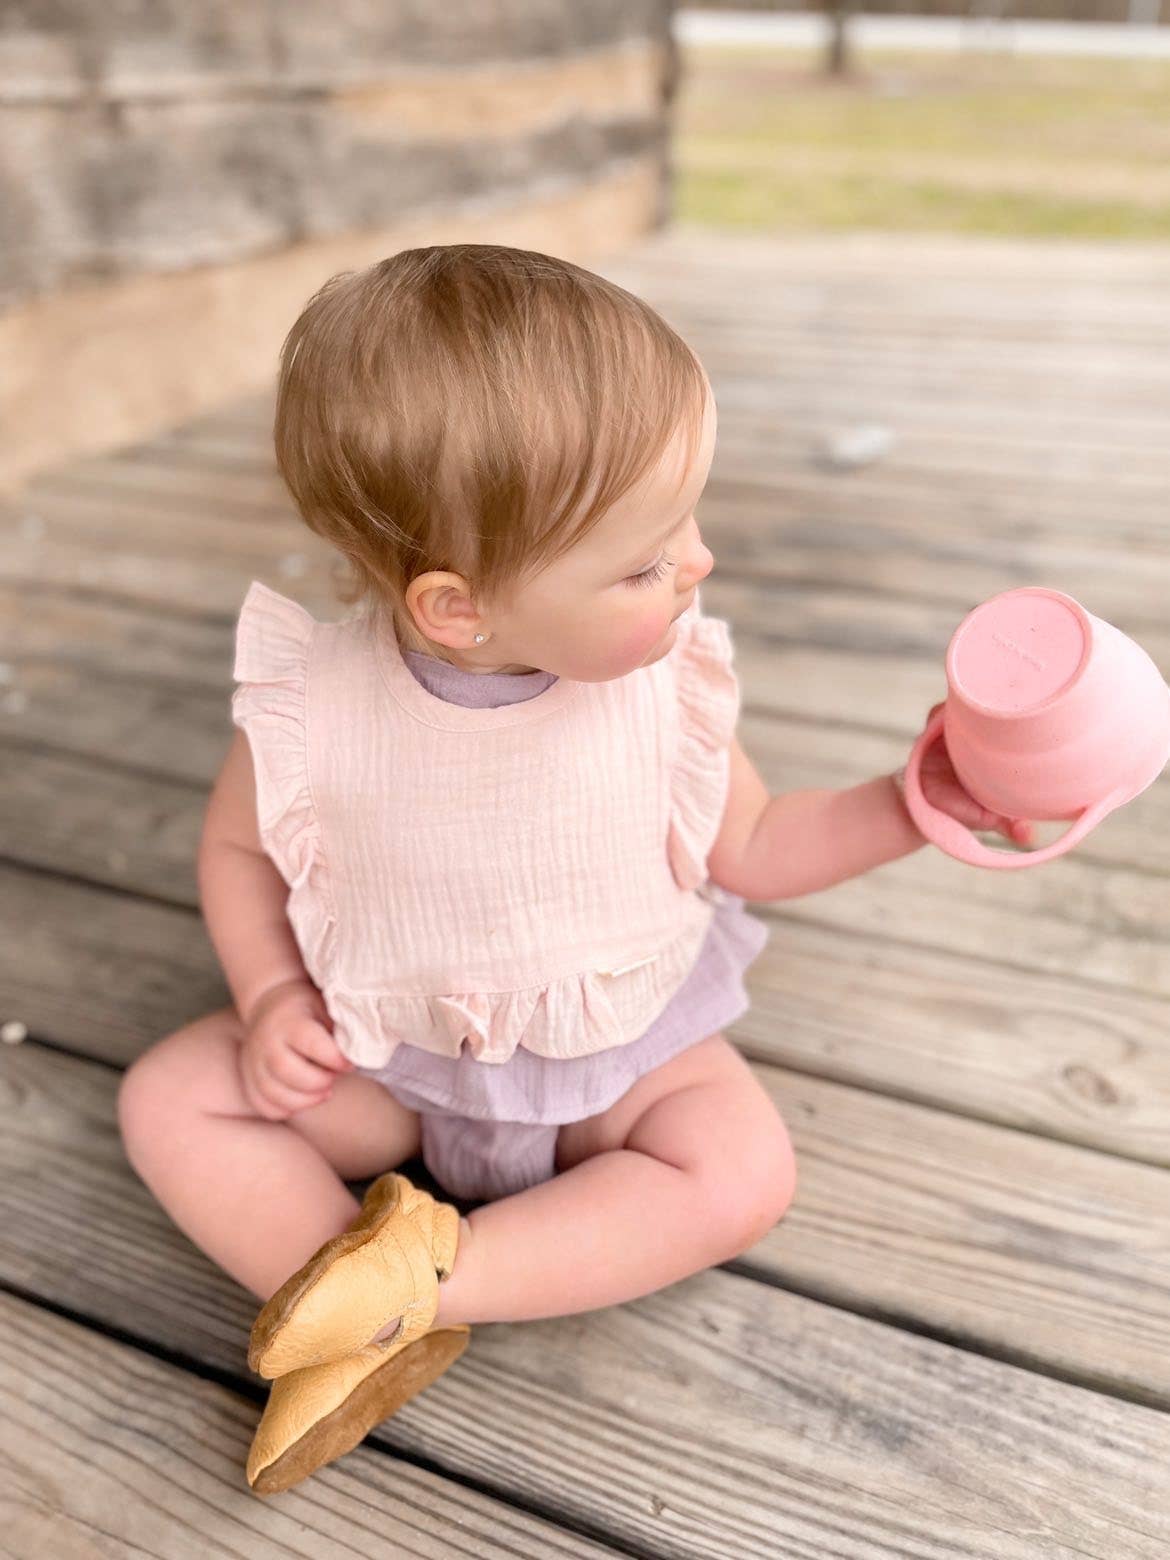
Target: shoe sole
x=380, y=1395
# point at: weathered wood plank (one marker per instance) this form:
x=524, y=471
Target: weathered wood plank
x=150, y=527
x=719, y=1416
x=835, y=604
x=1040, y=1052
x=167, y=485
x=1031, y=1000
x=108, y=1451
x=770, y=429
x=1052, y=1256
x=238, y=441
x=975, y=460
x=164, y=577
x=106, y=824
x=811, y=541
x=120, y=637
x=128, y=803
x=968, y=350
x=791, y=662
x=946, y=261
x=1040, y=499
x=804, y=544
x=1098, y=916
x=1107, y=926
x=1065, y=503
x=103, y=972
x=1072, y=896
x=833, y=995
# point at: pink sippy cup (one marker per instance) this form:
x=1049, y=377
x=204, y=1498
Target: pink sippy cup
x=1051, y=713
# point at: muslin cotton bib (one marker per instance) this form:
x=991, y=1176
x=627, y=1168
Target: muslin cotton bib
x=527, y=875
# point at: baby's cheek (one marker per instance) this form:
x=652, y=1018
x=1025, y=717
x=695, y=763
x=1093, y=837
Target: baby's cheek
x=637, y=643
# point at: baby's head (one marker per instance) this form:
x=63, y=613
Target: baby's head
x=500, y=443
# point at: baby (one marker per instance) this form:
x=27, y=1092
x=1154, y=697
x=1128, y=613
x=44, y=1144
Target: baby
x=477, y=859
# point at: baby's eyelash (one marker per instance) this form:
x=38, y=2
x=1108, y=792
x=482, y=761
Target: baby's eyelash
x=650, y=576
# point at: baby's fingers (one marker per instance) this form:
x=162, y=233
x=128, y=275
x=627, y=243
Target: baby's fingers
x=1018, y=830
x=318, y=1045
x=297, y=1072
x=271, y=1101
x=278, y=1101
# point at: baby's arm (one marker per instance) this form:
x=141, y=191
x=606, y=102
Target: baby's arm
x=242, y=893
x=800, y=842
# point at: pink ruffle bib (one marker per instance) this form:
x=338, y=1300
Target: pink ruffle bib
x=530, y=875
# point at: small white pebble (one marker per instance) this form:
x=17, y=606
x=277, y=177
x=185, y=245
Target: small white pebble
x=14, y=702
x=32, y=528
x=857, y=446
x=293, y=565
x=13, y=1032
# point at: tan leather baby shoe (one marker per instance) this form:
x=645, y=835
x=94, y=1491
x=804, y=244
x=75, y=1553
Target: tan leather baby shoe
x=388, y=1263
x=319, y=1413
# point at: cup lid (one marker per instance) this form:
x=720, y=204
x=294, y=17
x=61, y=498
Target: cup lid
x=1018, y=650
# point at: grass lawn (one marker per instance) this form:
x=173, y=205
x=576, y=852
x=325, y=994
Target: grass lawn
x=974, y=143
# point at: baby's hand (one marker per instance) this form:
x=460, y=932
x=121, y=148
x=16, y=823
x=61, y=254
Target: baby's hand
x=943, y=789
x=289, y=1058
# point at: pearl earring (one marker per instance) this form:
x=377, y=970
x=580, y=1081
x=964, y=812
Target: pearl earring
x=479, y=638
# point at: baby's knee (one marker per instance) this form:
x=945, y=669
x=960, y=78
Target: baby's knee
x=142, y=1096
x=754, y=1186
x=171, y=1080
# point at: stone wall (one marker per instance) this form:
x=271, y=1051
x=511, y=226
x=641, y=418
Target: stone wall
x=176, y=176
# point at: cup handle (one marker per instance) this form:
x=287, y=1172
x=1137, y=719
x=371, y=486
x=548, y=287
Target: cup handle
x=958, y=841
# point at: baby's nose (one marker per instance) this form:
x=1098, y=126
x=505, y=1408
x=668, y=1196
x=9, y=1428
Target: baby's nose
x=699, y=560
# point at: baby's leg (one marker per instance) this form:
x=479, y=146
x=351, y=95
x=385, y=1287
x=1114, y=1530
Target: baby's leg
x=258, y=1196
x=689, y=1168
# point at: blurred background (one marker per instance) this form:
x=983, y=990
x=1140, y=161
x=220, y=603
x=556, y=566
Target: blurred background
x=961, y=120
x=177, y=176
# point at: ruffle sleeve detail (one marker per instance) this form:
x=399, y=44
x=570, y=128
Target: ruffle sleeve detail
x=708, y=708
x=273, y=639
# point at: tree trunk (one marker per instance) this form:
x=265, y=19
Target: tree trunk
x=839, y=13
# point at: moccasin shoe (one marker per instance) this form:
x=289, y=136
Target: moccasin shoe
x=388, y=1263
x=319, y=1413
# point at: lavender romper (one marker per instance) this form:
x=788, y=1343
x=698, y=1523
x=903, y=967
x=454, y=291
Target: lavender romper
x=490, y=1128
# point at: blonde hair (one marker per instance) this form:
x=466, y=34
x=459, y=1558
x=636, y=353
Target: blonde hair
x=473, y=408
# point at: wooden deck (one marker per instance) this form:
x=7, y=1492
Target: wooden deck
x=958, y=1341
